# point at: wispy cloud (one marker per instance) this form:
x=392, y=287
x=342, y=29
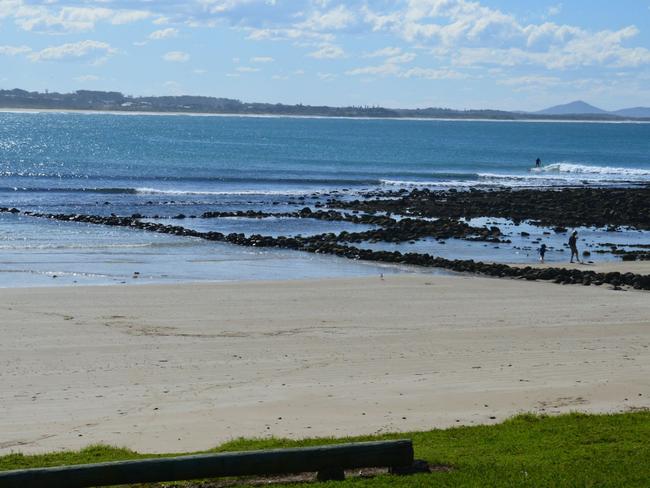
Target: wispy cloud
x=167, y=33
x=335, y=19
x=53, y=18
x=82, y=50
x=14, y=50
x=176, y=57
x=483, y=35
x=384, y=52
x=87, y=78
x=328, y=51
x=327, y=76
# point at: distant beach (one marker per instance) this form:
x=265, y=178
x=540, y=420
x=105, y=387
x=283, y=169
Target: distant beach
x=335, y=117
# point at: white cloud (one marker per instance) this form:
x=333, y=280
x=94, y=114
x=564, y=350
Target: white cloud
x=385, y=52
x=529, y=80
x=327, y=51
x=483, y=35
x=287, y=34
x=129, y=16
x=394, y=69
x=432, y=74
x=199, y=71
x=554, y=10
x=466, y=35
x=247, y=69
x=334, y=19
x=176, y=57
x=163, y=34
x=52, y=18
x=390, y=66
x=452, y=27
x=382, y=70
x=86, y=78
x=326, y=76
x=76, y=50
x=401, y=58
x=14, y=50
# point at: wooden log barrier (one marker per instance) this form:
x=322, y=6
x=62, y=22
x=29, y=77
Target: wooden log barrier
x=323, y=459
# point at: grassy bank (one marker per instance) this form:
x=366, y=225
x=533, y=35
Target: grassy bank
x=567, y=450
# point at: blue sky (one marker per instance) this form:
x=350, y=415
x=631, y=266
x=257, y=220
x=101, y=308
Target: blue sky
x=509, y=54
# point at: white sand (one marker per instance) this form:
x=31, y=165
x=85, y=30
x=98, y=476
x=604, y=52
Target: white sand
x=186, y=367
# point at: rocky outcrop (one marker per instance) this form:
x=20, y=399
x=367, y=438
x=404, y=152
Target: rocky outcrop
x=569, y=207
x=330, y=244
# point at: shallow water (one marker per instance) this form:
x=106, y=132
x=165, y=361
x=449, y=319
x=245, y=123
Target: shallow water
x=37, y=252
x=162, y=166
x=524, y=249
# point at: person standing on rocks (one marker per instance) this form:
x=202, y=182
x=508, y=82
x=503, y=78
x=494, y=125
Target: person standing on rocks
x=573, y=244
x=542, y=252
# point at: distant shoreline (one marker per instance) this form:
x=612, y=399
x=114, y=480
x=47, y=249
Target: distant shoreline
x=290, y=116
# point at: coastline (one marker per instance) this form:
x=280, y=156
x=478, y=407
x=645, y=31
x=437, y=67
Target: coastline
x=336, y=117
x=184, y=367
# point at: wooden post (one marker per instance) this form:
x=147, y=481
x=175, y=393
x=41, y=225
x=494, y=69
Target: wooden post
x=325, y=459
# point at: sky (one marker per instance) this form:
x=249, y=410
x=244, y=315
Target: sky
x=503, y=54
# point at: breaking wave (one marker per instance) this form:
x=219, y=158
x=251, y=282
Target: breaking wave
x=583, y=169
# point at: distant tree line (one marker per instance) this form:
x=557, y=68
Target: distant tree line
x=116, y=101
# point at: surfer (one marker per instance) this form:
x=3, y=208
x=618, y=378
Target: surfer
x=538, y=163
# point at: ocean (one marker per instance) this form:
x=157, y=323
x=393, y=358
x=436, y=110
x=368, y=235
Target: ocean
x=161, y=166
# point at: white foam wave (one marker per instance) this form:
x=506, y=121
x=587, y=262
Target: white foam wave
x=483, y=180
x=583, y=169
x=414, y=183
x=155, y=191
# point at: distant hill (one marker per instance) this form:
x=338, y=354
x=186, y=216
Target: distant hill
x=579, y=107
x=633, y=112
x=574, y=108
x=116, y=101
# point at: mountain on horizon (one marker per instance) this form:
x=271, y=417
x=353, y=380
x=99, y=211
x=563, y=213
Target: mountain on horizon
x=633, y=112
x=583, y=108
x=574, y=108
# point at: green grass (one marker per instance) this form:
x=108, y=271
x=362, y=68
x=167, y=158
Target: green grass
x=569, y=450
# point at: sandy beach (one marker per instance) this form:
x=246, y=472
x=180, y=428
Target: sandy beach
x=186, y=367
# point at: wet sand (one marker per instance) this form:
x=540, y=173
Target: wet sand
x=636, y=267
x=185, y=367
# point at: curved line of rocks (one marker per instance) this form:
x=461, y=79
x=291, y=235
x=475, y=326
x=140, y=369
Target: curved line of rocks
x=322, y=244
x=392, y=230
x=307, y=213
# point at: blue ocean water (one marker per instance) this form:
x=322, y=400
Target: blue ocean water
x=162, y=165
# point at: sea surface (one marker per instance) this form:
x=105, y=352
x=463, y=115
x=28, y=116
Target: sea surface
x=164, y=165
